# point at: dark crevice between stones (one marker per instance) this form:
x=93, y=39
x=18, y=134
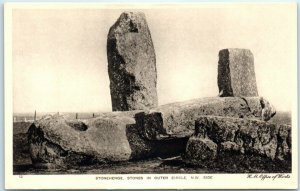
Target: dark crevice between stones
x=201, y=128
x=143, y=148
x=151, y=125
x=77, y=125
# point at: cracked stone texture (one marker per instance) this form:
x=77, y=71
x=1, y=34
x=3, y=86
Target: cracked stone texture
x=201, y=149
x=261, y=108
x=131, y=64
x=178, y=119
x=109, y=138
x=236, y=74
x=242, y=142
x=54, y=140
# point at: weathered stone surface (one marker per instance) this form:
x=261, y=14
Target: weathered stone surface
x=53, y=140
x=261, y=109
x=200, y=151
x=178, y=119
x=131, y=63
x=143, y=148
x=236, y=74
x=244, y=142
x=109, y=138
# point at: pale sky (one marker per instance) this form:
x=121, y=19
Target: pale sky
x=60, y=63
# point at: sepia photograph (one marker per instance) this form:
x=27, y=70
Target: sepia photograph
x=159, y=93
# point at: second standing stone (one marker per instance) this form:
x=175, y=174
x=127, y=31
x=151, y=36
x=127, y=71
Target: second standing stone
x=236, y=75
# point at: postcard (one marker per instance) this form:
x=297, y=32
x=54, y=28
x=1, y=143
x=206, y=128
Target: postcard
x=151, y=96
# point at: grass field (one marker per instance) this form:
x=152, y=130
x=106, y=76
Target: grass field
x=282, y=118
x=22, y=117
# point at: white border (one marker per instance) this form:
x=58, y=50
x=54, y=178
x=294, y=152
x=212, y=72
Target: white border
x=219, y=181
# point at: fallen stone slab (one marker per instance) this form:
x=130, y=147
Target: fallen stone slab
x=178, y=119
x=112, y=137
x=240, y=144
x=236, y=74
x=131, y=64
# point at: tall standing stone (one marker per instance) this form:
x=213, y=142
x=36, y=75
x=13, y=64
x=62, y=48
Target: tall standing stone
x=131, y=64
x=236, y=75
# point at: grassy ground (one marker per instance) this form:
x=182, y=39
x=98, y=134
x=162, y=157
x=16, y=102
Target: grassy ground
x=282, y=118
x=133, y=167
x=20, y=145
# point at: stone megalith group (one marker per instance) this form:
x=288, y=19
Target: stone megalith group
x=205, y=132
